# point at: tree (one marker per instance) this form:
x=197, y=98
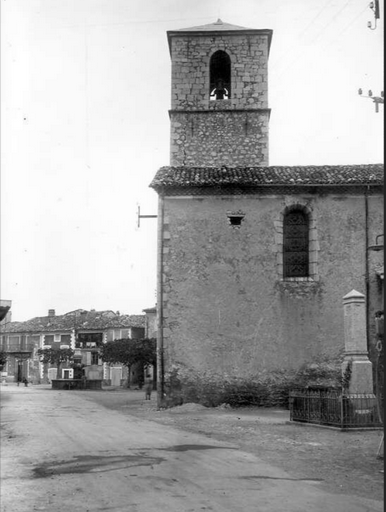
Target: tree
x=130, y=352
x=3, y=358
x=56, y=356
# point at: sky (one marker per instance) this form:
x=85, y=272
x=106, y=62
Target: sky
x=85, y=127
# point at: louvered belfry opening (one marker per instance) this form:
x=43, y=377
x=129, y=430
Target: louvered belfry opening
x=220, y=76
x=295, y=244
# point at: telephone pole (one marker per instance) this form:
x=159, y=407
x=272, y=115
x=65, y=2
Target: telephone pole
x=376, y=99
x=374, y=6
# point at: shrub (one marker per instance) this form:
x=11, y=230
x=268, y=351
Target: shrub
x=3, y=359
x=266, y=389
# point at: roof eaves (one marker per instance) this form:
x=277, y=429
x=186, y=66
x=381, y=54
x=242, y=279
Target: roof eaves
x=301, y=176
x=200, y=31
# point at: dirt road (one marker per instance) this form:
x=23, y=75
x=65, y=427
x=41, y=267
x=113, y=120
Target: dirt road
x=62, y=451
x=343, y=462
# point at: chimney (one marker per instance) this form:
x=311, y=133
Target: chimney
x=51, y=312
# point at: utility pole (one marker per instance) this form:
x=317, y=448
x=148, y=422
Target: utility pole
x=376, y=99
x=374, y=6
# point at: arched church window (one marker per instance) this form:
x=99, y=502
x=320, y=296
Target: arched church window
x=220, y=76
x=295, y=244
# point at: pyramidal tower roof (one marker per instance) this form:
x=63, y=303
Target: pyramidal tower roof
x=219, y=25
x=216, y=27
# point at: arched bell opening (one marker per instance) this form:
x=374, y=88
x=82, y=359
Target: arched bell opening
x=220, y=76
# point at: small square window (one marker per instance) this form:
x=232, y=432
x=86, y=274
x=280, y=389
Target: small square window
x=235, y=218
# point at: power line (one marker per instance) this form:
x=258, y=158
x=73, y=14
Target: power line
x=314, y=39
x=325, y=45
x=330, y=21
x=140, y=22
x=288, y=50
x=316, y=17
x=344, y=30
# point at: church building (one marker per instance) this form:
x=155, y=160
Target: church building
x=253, y=259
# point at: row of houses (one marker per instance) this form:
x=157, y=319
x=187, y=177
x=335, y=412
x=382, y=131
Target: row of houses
x=81, y=330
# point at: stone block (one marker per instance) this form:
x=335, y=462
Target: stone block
x=361, y=381
x=355, y=322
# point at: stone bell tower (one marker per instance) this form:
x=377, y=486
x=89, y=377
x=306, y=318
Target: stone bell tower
x=219, y=113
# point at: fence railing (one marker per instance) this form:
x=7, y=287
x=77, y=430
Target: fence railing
x=333, y=407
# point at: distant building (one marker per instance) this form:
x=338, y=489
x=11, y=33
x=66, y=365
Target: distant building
x=150, y=322
x=83, y=331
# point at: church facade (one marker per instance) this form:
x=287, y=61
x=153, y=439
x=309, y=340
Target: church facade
x=253, y=260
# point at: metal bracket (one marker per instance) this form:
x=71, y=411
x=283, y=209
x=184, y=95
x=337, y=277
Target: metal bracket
x=144, y=216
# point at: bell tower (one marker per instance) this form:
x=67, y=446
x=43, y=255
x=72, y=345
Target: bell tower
x=219, y=106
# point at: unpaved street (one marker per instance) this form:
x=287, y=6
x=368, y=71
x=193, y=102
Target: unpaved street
x=61, y=451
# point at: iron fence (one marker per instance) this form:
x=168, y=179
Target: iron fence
x=334, y=408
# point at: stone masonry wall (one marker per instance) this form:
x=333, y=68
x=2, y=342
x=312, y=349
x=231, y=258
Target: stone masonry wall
x=232, y=131
x=226, y=308
x=219, y=138
x=190, y=71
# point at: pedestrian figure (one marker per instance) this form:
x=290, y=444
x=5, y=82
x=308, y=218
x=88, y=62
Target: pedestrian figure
x=25, y=381
x=148, y=387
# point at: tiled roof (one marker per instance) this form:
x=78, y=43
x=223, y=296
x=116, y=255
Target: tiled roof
x=187, y=177
x=92, y=320
x=150, y=310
